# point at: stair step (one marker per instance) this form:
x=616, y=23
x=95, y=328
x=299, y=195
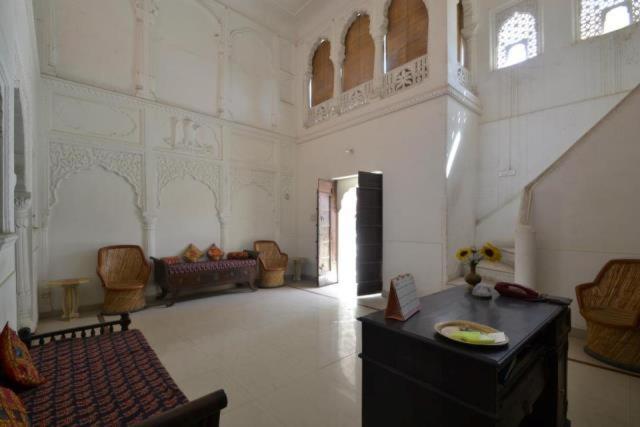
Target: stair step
x=508, y=255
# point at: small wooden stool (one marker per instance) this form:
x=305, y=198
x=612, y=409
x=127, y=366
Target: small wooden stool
x=70, y=302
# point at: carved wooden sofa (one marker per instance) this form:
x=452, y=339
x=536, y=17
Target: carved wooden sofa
x=99, y=375
x=174, y=278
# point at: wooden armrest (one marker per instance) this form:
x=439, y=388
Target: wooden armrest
x=78, y=332
x=204, y=411
x=581, y=290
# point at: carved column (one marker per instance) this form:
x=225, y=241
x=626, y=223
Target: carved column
x=149, y=224
x=224, y=219
x=24, y=284
x=146, y=10
x=337, y=57
x=378, y=64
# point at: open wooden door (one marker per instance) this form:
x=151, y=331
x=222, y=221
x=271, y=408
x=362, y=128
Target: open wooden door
x=327, y=233
x=369, y=234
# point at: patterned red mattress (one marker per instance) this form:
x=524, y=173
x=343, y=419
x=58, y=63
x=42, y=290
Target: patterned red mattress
x=204, y=266
x=107, y=380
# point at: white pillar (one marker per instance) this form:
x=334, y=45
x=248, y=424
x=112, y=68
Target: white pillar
x=24, y=284
x=525, y=262
x=146, y=11
x=149, y=224
x=378, y=62
x=337, y=57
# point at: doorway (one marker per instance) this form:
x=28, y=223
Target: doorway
x=349, y=240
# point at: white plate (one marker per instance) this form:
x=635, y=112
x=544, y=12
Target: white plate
x=447, y=328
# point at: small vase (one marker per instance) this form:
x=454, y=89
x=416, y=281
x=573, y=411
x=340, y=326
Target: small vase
x=472, y=278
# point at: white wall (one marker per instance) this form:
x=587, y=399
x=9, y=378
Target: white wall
x=177, y=131
x=585, y=208
x=18, y=69
x=462, y=128
x=408, y=147
x=533, y=112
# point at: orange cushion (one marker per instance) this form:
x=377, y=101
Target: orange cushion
x=171, y=260
x=215, y=253
x=193, y=254
x=15, y=360
x=12, y=411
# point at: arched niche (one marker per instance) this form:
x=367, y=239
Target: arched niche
x=253, y=215
x=187, y=62
x=407, y=31
x=95, y=208
x=187, y=214
x=322, y=72
x=359, y=51
x=19, y=144
x=95, y=42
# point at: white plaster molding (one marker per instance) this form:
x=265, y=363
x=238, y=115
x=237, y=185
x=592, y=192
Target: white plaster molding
x=242, y=177
x=84, y=90
x=145, y=12
x=118, y=123
x=189, y=136
x=68, y=159
x=467, y=99
x=6, y=158
x=7, y=241
x=170, y=168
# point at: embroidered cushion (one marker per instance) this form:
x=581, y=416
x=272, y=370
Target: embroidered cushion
x=193, y=254
x=215, y=253
x=238, y=255
x=15, y=360
x=12, y=411
x=171, y=260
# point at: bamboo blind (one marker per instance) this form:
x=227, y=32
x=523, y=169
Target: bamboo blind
x=407, y=34
x=359, y=54
x=322, y=78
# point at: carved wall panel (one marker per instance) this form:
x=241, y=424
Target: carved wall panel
x=189, y=136
x=95, y=119
x=253, y=147
x=67, y=159
x=171, y=168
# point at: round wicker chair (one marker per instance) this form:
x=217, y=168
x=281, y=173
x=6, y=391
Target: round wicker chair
x=273, y=263
x=124, y=272
x=611, y=306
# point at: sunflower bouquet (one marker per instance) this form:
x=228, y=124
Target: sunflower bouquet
x=472, y=255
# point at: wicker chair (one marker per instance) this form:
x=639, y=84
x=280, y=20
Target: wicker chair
x=273, y=263
x=124, y=272
x=611, y=306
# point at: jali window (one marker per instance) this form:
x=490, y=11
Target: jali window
x=599, y=17
x=517, y=34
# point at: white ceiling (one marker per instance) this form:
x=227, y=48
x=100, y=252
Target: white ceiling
x=293, y=7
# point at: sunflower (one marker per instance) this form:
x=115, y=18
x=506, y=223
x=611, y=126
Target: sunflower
x=464, y=254
x=490, y=252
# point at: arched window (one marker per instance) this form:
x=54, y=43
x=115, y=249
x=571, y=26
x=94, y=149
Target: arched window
x=517, y=37
x=321, y=86
x=358, y=54
x=599, y=17
x=407, y=34
x=462, y=43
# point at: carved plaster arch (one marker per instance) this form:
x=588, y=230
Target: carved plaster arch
x=350, y=20
x=312, y=52
x=68, y=159
x=171, y=168
x=263, y=180
x=384, y=25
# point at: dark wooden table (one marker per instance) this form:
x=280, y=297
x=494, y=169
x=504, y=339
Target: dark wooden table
x=414, y=377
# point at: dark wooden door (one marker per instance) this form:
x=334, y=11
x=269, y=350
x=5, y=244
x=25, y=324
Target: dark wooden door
x=369, y=234
x=327, y=233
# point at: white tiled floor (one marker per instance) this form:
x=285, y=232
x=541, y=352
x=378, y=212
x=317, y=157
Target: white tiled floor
x=288, y=357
